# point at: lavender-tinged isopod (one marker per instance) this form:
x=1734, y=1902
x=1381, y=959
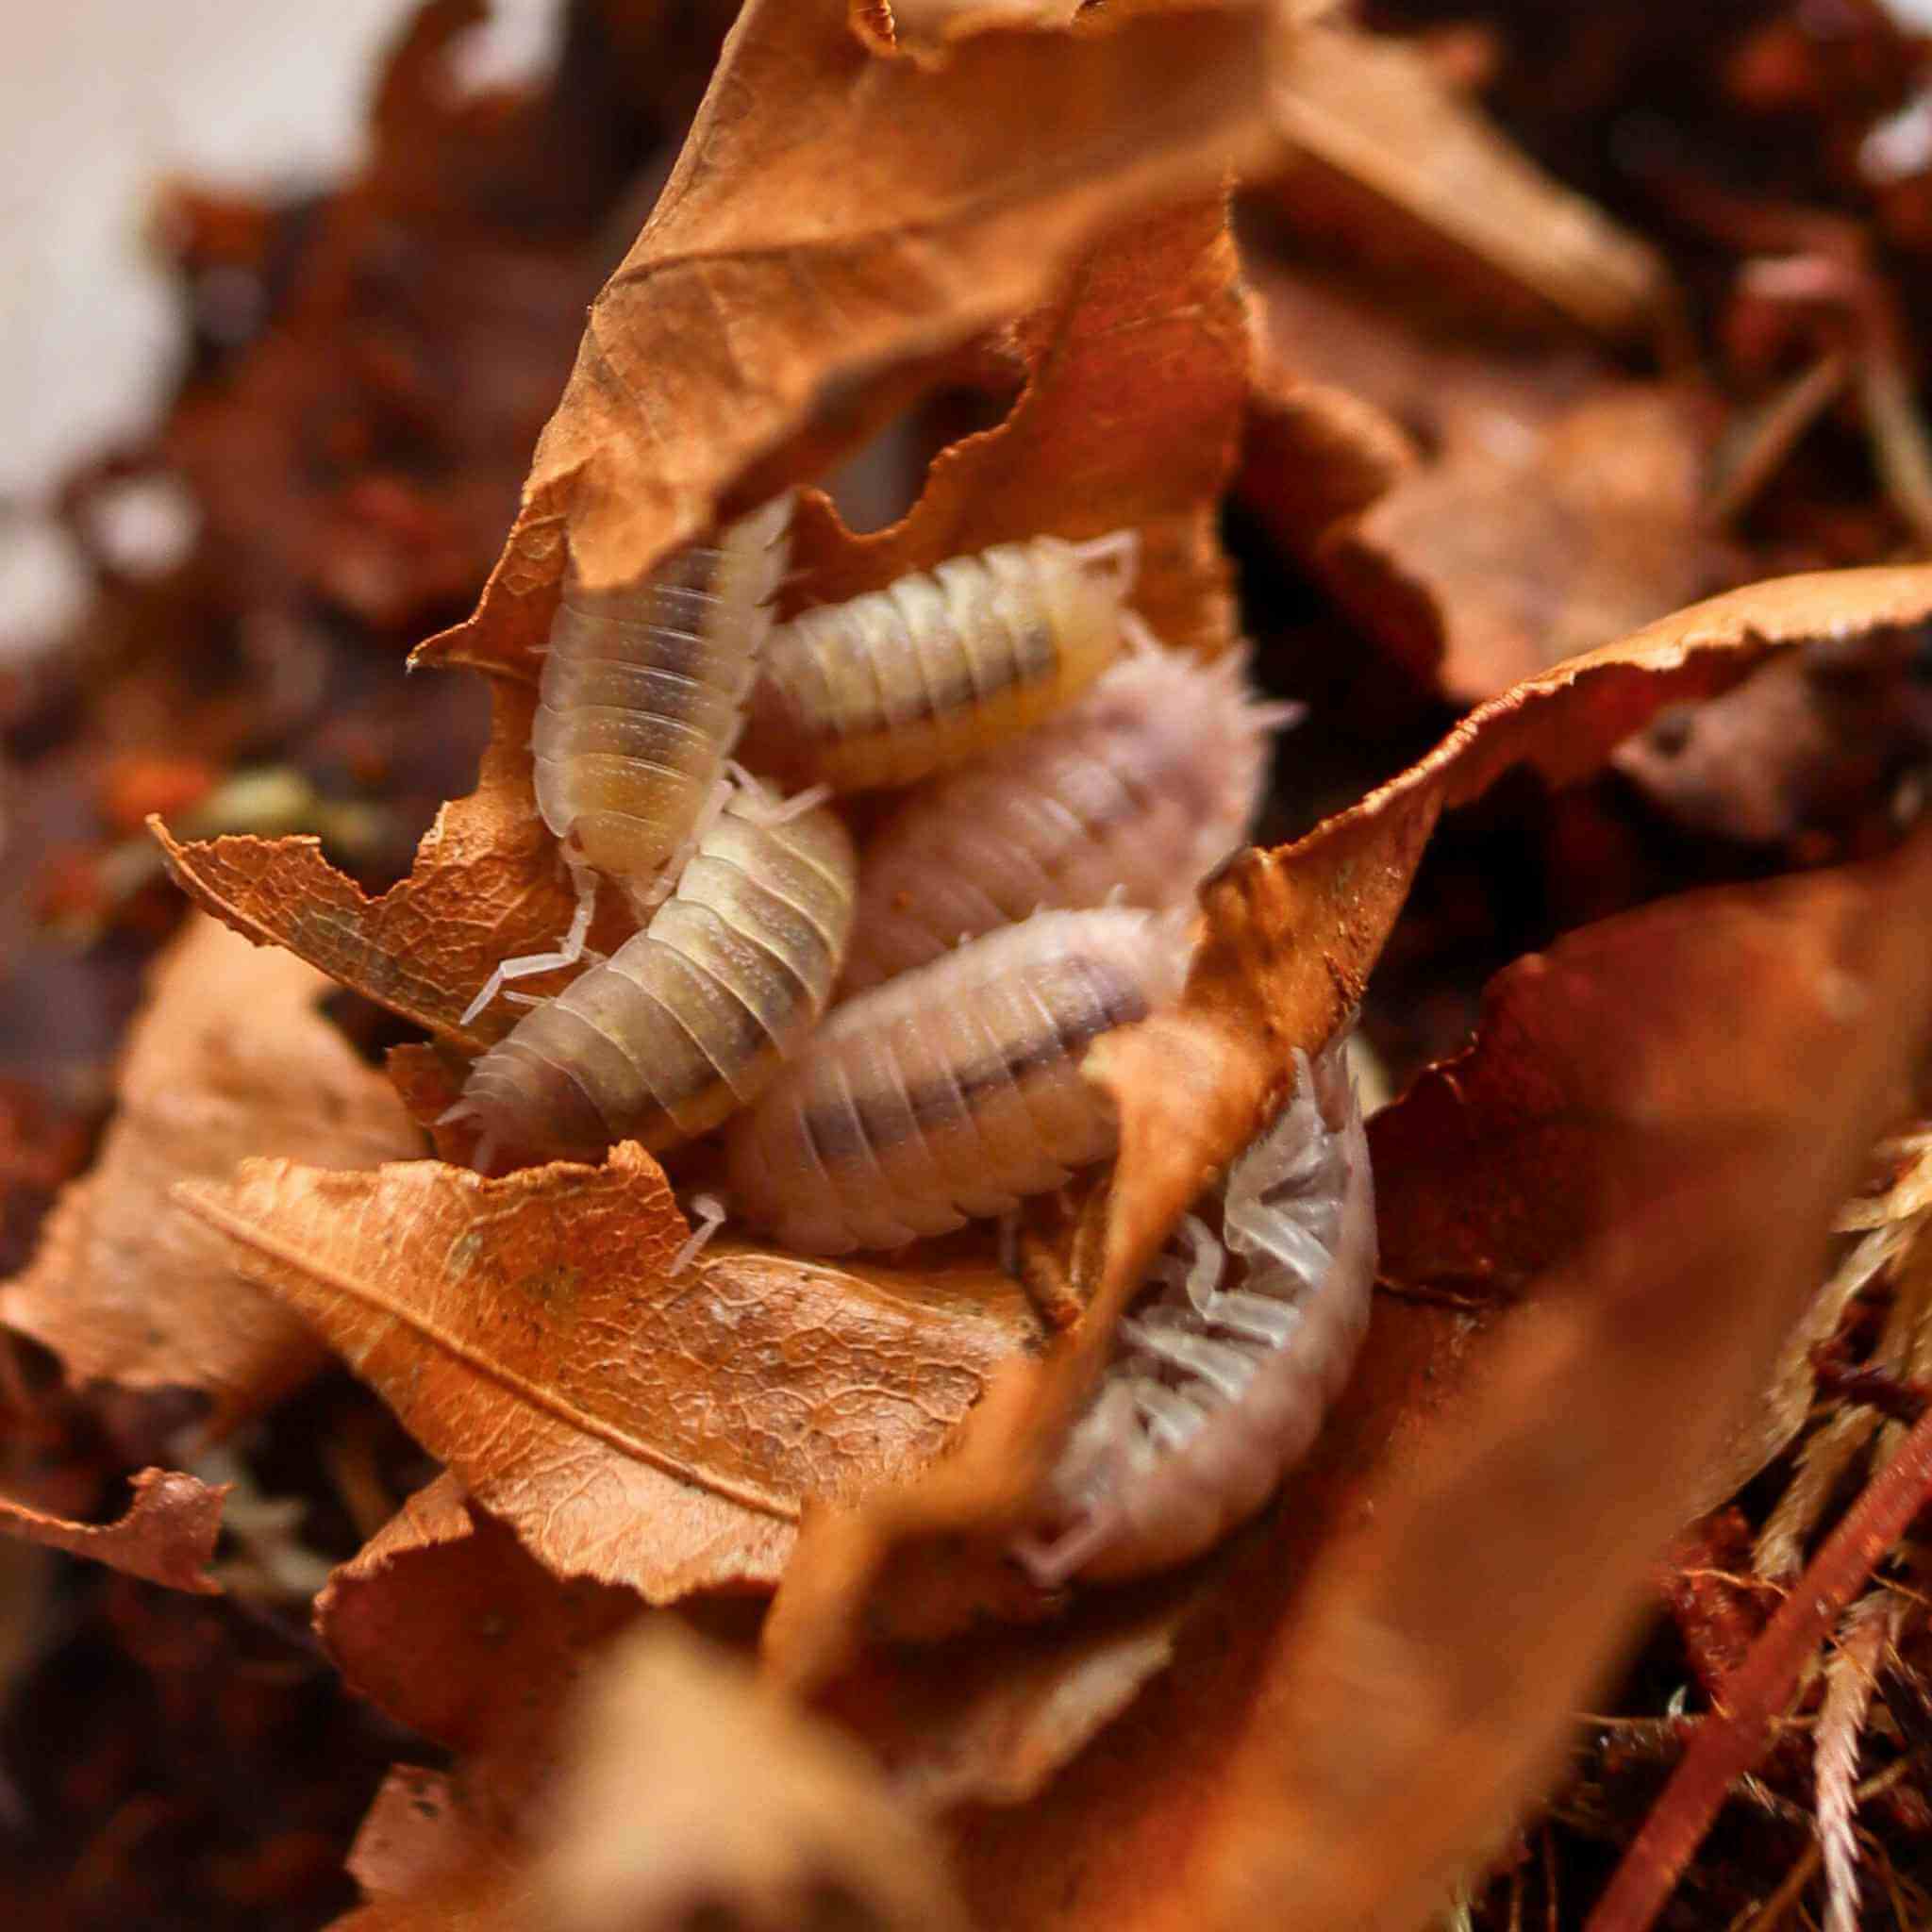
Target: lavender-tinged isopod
x=952, y=1092
x=1132, y=794
x=1217, y=1392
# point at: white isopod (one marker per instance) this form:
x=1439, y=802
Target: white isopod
x=1217, y=1392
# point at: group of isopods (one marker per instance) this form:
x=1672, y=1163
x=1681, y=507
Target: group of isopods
x=1062, y=784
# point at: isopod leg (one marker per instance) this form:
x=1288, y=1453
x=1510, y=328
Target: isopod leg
x=756, y=803
x=1117, y=554
x=570, y=949
x=711, y=1215
x=1051, y=1563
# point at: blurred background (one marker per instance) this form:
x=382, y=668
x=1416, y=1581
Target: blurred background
x=105, y=102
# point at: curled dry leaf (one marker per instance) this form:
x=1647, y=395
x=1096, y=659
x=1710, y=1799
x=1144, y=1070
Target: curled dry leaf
x=448, y=1624
x=1407, y=167
x=485, y=885
x=230, y=1058
x=1138, y=373
x=756, y=1814
x=1555, y=505
x=1290, y=938
x=424, y=1836
x=658, y=1431
x=1809, y=744
x=1372, y=1700
x=923, y=31
x=895, y=212
x=166, y=1535
x=989, y=1718
x=835, y=220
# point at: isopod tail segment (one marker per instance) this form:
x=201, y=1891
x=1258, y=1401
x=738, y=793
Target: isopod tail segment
x=1216, y=1393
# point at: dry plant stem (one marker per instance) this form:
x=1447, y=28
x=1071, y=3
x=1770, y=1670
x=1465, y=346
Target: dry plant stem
x=1727, y=1746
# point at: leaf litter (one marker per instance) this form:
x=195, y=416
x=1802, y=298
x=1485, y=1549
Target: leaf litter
x=1574, y=1213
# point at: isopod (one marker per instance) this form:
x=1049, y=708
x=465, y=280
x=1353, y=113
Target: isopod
x=939, y=665
x=1216, y=1393
x=687, y=1020
x=642, y=702
x=952, y=1092
x=1131, y=795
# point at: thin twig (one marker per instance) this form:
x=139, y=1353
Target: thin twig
x=1725, y=1748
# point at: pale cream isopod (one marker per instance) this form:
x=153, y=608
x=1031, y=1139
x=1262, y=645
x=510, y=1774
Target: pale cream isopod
x=691, y=1018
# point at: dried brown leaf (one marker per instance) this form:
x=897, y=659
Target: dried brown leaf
x=166, y=1535
x=230, y=1058
x=755, y=1813
x=423, y=1834
x=1809, y=744
x=1138, y=373
x=670, y=1792
x=1555, y=504
x=486, y=884
x=440, y=1850
x=924, y=30
x=990, y=1717
x=1374, y=1735
x=658, y=1432
x=451, y=1626
x=835, y=220
x=1290, y=938
x=1408, y=169
x=833, y=215
x=1293, y=934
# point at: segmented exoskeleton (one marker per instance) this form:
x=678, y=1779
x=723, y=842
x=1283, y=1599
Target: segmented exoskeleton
x=642, y=699
x=1217, y=1392
x=691, y=1017
x=953, y=1091
x=1132, y=794
x=940, y=666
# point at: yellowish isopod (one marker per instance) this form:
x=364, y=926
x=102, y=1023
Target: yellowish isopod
x=940, y=665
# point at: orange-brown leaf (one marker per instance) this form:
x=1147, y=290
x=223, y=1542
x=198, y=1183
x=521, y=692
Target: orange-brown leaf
x=451, y=1626
x=682, y=1795
x=833, y=215
x=1558, y=505
x=1375, y=1721
x=1290, y=938
x=230, y=1058
x=835, y=220
x=655, y=1431
x=1404, y=168
x=487, y=884
x=755, y=1813
x=1293, y=934
x=166, y=1535
x=1138, y=375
